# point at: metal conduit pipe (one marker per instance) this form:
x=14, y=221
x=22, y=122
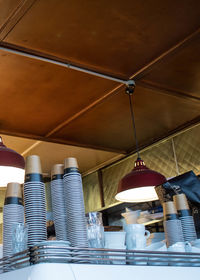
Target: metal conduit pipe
x=66, y=65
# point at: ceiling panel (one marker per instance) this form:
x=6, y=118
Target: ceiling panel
x=51, y=153
x=7, y=8
x=37, y=96
x=113, y=36
x=18, y=144
x=180, y=72
x=109, y=123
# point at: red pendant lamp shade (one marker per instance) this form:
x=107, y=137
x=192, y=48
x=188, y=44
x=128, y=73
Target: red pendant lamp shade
x=11, y=166
x=9, y=157
x=138, y=185
x=141, y=176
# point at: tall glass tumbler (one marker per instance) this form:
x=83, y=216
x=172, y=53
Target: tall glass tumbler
x=19, y=237
x=95, y=230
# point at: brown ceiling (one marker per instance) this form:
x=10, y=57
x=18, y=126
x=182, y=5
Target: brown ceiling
x=36, y=96
x=109, y=126
x=154, y=42
x=179, y=73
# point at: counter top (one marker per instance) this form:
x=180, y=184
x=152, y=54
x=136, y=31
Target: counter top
x=54, y=271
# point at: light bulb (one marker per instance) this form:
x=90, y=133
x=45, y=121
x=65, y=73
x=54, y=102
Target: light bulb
x=11, y=174
x=141, y=194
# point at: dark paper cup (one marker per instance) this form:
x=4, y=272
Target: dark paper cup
x=13, y=194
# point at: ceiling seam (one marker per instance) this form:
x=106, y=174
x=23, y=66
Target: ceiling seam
x=171, y=92
x=15, y=17
x=30, y=148
x=102, y=165
x=135, y=76
x=13, y=13
x=85, y=109
x=171, y=51
x=62, y=142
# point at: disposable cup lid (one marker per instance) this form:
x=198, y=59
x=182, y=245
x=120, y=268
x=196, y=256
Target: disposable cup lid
x=13, y=190
x=70, y=162
x=180, y=201
x=169, y=208
x=33, y=165
x=57, y=169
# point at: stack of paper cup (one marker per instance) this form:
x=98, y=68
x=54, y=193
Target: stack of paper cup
x=13, y=212
x=172, y=225
x=34, y=200
x=187, y=222
x=75, y=210
x=58, y=202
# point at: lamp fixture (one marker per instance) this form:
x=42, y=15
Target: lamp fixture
x=11, y=166
x=138, y=185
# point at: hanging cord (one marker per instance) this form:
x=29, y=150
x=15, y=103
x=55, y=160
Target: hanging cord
x=129, y=91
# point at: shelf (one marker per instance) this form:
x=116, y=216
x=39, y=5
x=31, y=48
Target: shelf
x=153, y=222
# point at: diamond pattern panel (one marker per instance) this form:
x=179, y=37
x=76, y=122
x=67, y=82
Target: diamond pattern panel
x=91, y=192
x=2, y=197
x=187, y=147
x=161, y=159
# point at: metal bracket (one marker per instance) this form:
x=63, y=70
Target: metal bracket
x=130, y=88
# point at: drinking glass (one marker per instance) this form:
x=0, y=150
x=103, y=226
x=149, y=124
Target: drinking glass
x=19, y=237
x=95, y=230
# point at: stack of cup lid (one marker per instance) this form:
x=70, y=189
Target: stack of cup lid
x=75, y=210
x=172, y=224
x=34, y=200
x=187, y=222
x=13, y=212
x=58, y=202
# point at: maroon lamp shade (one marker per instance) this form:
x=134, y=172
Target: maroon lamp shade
x=138, y=185
x=9, y=157
x=11, y=166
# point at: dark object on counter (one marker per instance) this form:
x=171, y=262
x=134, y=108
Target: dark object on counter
x=51, y=232
x=189, y=184
x=113, y=228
